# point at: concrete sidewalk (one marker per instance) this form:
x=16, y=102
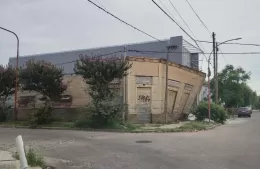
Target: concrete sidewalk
x=8, y=162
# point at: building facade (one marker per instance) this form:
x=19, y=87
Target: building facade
x=145, y=83
x=144, y=92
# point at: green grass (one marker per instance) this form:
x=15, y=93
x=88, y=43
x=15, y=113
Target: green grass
x=33, y=159
x=187, y=127
x=18, y=123
x=26, y=124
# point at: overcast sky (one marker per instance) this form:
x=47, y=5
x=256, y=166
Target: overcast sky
x=58, y=25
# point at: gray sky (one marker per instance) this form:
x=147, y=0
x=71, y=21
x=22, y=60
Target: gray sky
x=56, y=25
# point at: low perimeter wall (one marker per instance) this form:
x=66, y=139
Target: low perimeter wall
x=59, y=114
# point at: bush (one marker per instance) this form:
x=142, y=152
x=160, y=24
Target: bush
x=99, y=115
x=5, y=113
x=40, y=116
x=218, y=113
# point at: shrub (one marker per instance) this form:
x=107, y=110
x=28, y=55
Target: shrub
x=40, y=116
x=218, y=113
x=99, y=115
x=5, y=113
x=33, y=159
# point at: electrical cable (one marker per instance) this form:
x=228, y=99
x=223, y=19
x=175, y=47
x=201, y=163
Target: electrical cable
x=198, y=16
x=149, y=52
x=179, y=27
x=125, y=22
x=230, y=43
x=182, y=18
x=97, y=55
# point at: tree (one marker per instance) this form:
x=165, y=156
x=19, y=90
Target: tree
x=98, y=74
x=233, y=90
x=7, y=88
x=46, y=79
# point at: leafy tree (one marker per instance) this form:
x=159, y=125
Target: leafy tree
x=7, y=88
x=257, y=103
x=98, y=74
x=46, y=79
x=232, y=86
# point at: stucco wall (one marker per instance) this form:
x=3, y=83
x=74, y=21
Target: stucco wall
x=147, y=96
x=155, y=68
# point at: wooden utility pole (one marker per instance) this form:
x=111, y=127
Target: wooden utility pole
x=124, y=90
x=209, y=97
x=216, y=78
x=214, y=61
x=166, y=85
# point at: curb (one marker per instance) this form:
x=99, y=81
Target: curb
x=64, y=128
x=112, y=130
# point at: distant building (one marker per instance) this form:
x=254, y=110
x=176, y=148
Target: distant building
x=203, y=95
x=186, y=54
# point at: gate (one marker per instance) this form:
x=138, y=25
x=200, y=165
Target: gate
x=144, y=104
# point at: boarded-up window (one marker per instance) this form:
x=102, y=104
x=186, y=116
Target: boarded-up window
x=174, y=83
x=188, y=87
x=144, y=80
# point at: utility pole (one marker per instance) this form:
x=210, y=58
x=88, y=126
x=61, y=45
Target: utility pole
x=124, y=89
x=209, y=98
x=214, y=60
x=216, y=79
x=166, y=85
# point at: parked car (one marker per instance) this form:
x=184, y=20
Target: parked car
x=244, y=111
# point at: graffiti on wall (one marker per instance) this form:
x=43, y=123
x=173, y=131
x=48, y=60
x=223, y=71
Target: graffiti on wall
x=144, y=98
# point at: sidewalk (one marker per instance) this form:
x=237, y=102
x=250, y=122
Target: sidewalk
x=8, y=162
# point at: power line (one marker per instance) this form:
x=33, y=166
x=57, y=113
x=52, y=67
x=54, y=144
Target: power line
x=181, y=18
x=149, y=52
x=230, y=53
x=230, y=43
x=198, y=16
x=97, y=55
x=167, y=9
x=179, y=27
x=125, y=22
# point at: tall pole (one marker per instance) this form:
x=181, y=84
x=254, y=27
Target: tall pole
x=214, y=58
x=216, y=81
x=124, y=89
x=209, y=115
x=16, y=73
x=166, y=85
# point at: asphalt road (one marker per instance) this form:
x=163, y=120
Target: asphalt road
x=232, y=146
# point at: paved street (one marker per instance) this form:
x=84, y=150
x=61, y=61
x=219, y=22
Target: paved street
x=233, y=146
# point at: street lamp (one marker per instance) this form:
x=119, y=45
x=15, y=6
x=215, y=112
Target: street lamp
x=16, y=70
x=217, y=45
